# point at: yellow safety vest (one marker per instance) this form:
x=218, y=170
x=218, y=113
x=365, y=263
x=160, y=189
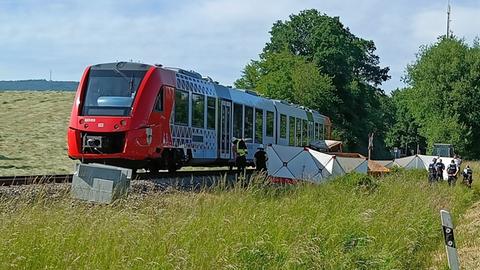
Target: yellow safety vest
x=241, y=152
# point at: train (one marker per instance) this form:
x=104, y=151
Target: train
x=137, y=115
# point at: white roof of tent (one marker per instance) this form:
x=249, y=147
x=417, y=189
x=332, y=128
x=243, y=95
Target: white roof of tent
x=386, y=163
x=353, y=164
x=307, y=164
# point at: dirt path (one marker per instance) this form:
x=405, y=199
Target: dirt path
x=468, y=232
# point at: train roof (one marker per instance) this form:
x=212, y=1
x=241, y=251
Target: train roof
x=121, y=66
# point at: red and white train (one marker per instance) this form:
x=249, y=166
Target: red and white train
x=148, y=116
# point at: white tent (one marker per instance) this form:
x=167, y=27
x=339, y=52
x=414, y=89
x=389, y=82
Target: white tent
x=421, y=162
x=294, y=163
x=386, y=163
x=411, y=162
x=300, y=163
x=350, y=164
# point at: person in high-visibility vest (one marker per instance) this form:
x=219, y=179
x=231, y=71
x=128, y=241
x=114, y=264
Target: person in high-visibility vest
x=242, y=151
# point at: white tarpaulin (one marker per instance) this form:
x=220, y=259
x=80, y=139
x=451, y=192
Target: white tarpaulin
x=300, y=163
x=421, y=162
x=350, y=164
x=386, y=163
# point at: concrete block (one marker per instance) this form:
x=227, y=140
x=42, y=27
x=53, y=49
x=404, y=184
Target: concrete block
x=100, y=183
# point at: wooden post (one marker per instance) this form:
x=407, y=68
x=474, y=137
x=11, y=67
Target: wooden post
x=450, y=246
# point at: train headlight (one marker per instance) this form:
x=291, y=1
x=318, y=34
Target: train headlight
x=81, y=121
x=123, y=122
x=115, y=126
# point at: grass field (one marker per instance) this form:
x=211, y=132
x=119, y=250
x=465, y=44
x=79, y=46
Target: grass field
x=33, y=128
x=391, y=223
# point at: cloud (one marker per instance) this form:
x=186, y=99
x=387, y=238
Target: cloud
x=214, y=37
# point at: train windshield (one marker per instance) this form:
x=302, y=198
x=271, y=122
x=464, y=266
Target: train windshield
x=111, y=92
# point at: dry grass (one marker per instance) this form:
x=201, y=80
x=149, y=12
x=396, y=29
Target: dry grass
x=33, y=128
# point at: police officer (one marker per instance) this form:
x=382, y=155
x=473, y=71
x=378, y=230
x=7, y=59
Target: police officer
x=432, y=171
x=452, y=171
x=260, y=158
x=440, y=167
x=468, y=176
x=241, y=150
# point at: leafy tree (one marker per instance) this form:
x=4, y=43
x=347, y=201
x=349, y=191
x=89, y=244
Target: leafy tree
x=405, y=132
x=444, y=91
x=313, y=60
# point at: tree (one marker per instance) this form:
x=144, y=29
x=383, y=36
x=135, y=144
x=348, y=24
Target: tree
x=444, y=90
x=405, y=132
x=313, y=60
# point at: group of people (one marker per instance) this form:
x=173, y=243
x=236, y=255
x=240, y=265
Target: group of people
x=260, y=158
x=436, y=169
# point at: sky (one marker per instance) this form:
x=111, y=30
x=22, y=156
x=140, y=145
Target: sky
x=216, y=38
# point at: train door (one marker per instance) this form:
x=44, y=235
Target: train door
x=225, y=133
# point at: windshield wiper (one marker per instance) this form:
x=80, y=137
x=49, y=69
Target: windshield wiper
x=129, y=80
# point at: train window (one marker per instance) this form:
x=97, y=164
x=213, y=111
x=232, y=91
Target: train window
x=270, y=124
x=311, y=133
x=237, y=120
x=298, y=133
x=258, y=126
x=198, y=111
x=304, y=132
x=283, y=126
x=291, y=130
x=159, y=103
x=248, y=132
x=211, y=112
x=321, y=135
x=181, y=107
x=317, y=133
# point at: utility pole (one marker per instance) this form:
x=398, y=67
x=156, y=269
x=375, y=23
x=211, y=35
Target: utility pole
x=448, y=20
x=370, y=145
x=50, y=75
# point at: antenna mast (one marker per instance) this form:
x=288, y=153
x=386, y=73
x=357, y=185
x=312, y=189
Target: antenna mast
x=448, y=20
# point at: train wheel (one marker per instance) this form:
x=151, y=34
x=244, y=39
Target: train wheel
x=171, y=165
x=153, y=168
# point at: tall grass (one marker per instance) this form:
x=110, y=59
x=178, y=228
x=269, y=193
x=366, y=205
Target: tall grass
x=353, y=222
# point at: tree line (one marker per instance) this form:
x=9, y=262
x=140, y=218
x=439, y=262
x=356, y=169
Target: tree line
x=312, y=59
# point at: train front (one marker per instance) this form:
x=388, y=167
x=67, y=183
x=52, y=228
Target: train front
x=109, y=119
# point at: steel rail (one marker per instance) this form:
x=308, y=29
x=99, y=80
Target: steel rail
x=67, y=178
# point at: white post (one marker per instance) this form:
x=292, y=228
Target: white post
x=450, y=246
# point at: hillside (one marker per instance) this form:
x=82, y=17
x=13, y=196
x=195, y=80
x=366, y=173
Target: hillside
x=33, y=128
x=38, y=85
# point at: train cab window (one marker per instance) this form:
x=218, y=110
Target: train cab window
x=198, y=111
x=211, y=112
x=237, y=120
x=283, y=126
x=181, y=107
x=298, y=133
x=291, y=130
x=270, y=124
x=248, y=132
x=159, y=103
x=258, y=126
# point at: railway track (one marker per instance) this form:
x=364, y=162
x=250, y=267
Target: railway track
x=179, y=177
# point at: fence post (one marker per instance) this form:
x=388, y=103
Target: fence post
x=450, y=246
